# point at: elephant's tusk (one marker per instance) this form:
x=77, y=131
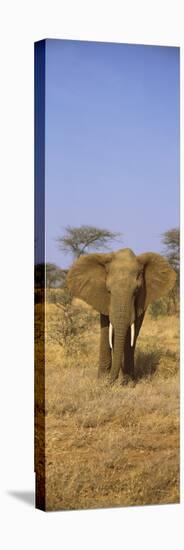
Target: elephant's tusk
x=110, y=335
x=132, y=334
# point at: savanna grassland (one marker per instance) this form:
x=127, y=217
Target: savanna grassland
x=110, y=445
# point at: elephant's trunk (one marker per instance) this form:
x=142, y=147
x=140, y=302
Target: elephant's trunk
x=121, y=319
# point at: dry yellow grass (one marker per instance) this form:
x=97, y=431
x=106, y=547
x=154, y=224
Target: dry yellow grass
x=110, y=446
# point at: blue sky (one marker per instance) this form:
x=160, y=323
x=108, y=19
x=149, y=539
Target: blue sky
x=112, y=141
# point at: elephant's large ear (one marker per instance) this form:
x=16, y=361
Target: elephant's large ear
x=159, y=277
x=87, y=280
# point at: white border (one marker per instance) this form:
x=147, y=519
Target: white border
x=143, y=22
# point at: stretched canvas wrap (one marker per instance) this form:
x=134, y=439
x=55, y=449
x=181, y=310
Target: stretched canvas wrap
x=106, y=275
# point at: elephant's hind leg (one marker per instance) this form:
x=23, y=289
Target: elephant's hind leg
x=105, y=351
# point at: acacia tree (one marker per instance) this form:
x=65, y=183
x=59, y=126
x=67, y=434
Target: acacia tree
x=83, y=239
x=171, y=241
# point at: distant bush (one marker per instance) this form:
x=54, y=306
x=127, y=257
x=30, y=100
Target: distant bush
x=60, y=296
x=169, y=305
x=158, y=308
x=173, y=300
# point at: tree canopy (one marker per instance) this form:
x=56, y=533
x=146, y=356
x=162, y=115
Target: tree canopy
x=83, y=239
x=171, y=241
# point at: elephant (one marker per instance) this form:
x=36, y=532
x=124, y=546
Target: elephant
x=120, y=286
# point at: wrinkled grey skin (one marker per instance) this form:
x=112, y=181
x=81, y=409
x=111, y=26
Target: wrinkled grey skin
x=120, y=286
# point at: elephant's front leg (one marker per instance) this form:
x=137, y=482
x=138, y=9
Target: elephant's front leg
x=128, y=361
x=105, y=351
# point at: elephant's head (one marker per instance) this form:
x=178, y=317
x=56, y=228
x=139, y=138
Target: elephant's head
x=120, y=285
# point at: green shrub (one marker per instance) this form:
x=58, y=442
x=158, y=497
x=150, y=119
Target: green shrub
x=66, y=327
x=158, y=308
x=60, y=296
x=169, y=305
